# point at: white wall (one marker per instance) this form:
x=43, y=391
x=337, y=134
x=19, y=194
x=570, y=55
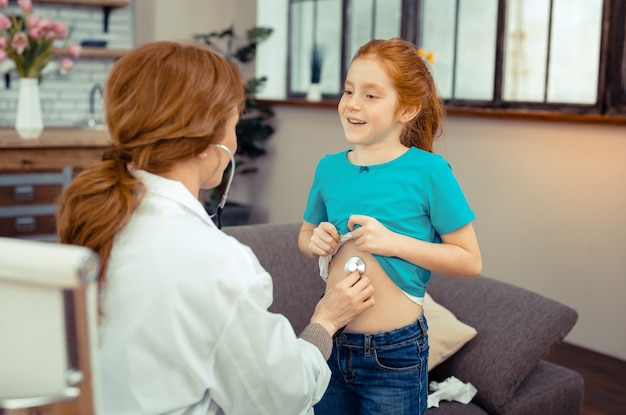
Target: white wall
x=550, y=196
x=181, y=19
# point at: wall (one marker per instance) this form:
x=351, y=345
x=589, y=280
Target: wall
x=199, y=17
x=549, y=197
x=65, y=98
x=181, y=19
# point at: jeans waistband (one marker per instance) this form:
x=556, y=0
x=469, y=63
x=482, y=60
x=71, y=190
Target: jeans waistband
x=418, y=328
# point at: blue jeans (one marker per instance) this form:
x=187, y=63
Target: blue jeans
x=378, y=373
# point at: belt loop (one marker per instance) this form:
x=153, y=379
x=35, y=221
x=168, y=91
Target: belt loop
x=367, y=344
x=422, y=324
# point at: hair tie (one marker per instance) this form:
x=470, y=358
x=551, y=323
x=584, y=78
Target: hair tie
x=117, y=154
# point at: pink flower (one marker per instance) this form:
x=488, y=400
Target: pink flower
x=67, y=65
x=3, y=42
x=32, y=20
x=25, y=5
x=74, y=50
x=4, y=3
x=51, y=35
x=36, y=32
x=3, y=55
x=45, y=23
x=5, y=22
x=61, y=30
x=20, y=42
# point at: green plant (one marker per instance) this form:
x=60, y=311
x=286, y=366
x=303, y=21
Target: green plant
x=316, y=64
x=254, y=127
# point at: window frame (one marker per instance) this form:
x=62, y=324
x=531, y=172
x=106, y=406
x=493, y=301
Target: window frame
x=611, y=88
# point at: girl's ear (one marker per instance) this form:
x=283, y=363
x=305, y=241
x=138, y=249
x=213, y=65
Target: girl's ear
x=410, y=112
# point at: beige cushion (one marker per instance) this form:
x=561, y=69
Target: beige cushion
x=446, y=334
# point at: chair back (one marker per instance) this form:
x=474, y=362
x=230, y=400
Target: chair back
x=48, y=314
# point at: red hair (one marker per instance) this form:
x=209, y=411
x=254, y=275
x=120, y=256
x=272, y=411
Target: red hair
x=414, y=85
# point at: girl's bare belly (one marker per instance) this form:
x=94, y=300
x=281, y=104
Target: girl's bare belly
x=392, y=309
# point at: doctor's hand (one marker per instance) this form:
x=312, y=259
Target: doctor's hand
x=324, y=239
x=346, y=300
x=371, y=236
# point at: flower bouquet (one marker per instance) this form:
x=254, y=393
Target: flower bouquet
x=27, y=40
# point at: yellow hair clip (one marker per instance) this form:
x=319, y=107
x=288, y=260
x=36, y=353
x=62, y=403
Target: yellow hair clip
x=428, y=57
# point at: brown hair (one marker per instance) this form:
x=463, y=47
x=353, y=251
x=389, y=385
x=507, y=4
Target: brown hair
x=414, y=85
x=165, y=102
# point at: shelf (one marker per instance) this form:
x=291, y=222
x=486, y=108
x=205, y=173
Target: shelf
x=107, y=6
x=95, y=52
x=94, y=3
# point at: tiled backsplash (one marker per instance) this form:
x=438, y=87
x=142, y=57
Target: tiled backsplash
x=65, y=98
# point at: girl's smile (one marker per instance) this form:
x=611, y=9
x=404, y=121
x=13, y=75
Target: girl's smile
x=368, y=108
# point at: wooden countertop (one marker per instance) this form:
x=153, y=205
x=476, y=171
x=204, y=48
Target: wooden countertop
x=55, y=137
x=56, y=148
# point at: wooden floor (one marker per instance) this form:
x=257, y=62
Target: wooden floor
x=604, y=376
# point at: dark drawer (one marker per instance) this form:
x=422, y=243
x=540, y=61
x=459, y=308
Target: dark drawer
x=27, y=226
x=29, y=194
x=28, y=201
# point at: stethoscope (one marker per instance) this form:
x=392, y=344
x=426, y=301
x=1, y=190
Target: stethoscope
x=217, y=216
x=354, y=263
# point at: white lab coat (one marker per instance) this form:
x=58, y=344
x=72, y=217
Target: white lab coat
x=186, y=328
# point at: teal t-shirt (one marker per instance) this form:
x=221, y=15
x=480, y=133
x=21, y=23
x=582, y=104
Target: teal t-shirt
x=415, y=194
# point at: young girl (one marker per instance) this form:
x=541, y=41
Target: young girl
x=397, y=206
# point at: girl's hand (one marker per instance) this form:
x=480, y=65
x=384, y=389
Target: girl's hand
x=324, y=239
x=371, y=236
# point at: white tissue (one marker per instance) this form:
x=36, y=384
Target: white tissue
x=450, y=389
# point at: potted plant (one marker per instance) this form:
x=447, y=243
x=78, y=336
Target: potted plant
x=314, y=93
x=254, y=127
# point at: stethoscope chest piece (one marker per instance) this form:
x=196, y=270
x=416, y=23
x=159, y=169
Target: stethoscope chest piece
x=354, y=263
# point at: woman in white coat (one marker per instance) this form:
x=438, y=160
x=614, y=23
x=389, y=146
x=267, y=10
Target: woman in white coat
x=185, y=326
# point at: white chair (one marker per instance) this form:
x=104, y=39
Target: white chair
x=35, y=277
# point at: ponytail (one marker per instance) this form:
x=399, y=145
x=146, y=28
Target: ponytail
x=96, y=205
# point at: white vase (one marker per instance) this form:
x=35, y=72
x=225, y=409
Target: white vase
x=314, y=93
x=29, y=120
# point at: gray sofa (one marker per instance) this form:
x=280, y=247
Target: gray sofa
x=516, y=329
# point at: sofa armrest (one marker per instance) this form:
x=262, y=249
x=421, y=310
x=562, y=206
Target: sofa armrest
x=516, y=329
x=548, y=389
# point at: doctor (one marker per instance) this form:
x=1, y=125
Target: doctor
x=185, y=326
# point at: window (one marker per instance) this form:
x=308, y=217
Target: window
x=565, y=56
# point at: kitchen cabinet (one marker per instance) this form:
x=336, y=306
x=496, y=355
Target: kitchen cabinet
x=33, y=173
